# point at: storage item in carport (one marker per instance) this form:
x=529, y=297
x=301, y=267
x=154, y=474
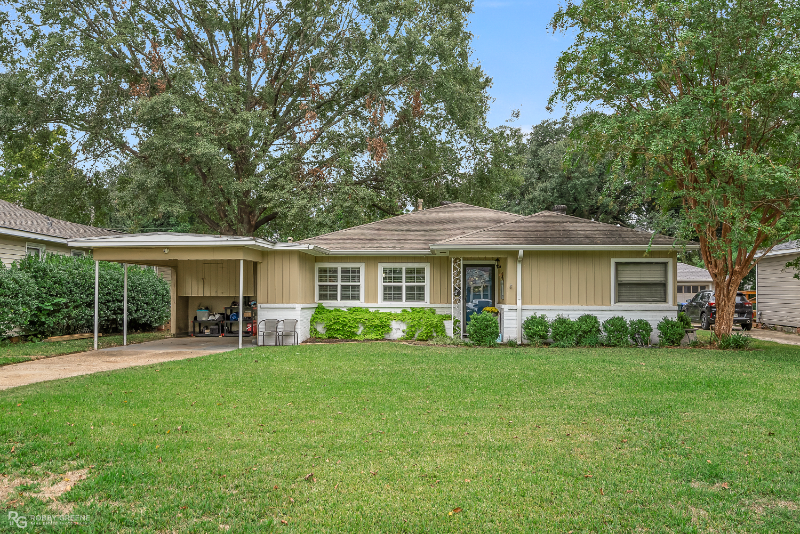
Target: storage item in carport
x=202, y=315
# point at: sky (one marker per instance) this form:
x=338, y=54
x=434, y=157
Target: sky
x=513, y=46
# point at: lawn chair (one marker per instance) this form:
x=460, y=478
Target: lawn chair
x=270, y=330
x=289, y=329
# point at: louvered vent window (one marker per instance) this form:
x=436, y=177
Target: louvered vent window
x=640, y=283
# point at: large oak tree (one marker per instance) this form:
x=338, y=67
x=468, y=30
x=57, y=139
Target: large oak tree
x=246, y=111
x=700, y=102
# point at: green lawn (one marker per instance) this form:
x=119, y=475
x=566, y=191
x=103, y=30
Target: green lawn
x=23, y=352
x=398, y=436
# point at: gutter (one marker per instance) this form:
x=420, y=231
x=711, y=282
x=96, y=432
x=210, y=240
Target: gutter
x=31, y=235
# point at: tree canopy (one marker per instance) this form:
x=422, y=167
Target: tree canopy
x=698, y=103
x=247, y=112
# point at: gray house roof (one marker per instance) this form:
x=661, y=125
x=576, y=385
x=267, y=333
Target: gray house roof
x=413, y=231
x=13, y=217
x=548, y=228
x=458, y=225
x=690, y=273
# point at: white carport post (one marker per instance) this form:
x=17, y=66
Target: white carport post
x=519, y=297
x=96, y=300
x=241, y=299
x=125, y=305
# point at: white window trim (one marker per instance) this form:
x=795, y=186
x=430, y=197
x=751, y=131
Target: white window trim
x=671, y=289
x=427, y=267
x=339, y=283
x=40, y=246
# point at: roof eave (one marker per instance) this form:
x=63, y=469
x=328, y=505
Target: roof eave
x=454, y=246
x=32, y=235
x=123, y=242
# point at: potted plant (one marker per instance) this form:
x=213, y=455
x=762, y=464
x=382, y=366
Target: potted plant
x=689, y=331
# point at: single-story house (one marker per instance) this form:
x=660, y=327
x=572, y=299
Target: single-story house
x=777, y=290
x=24, y=232
x=455, y=258
x=692, y=280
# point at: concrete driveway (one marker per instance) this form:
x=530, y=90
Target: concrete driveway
x=84, y=363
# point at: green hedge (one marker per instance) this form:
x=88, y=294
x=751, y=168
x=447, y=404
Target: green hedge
x=361, y=323
x=54, y=295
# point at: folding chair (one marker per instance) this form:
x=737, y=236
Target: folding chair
x=270, y=329
x=289, y=329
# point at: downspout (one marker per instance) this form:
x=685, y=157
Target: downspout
x=519, y=297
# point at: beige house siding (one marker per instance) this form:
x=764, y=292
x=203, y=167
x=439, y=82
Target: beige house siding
x=778, y=292
x=15, y=248
x=580, y=278
x=213, y=278
x=286, y=278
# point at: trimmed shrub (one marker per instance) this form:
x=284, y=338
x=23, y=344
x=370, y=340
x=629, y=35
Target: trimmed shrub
x=615, y=332
x=564, y=332
x=62, y=301
x=735, y=341
x=360, y=323
x=639, y=331
x=17, y=299
x=588, y=330
x=483, y=329
x=536, y=329
x=670, y=332
x=684, y=320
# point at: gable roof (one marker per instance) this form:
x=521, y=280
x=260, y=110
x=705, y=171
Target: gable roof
x=19, y=219
x=550, y=229
x=414, y=231
x=690, y=273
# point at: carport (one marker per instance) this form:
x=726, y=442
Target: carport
x=204, y=268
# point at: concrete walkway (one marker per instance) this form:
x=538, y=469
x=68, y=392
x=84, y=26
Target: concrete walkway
x=774, y=335
x=84, y=363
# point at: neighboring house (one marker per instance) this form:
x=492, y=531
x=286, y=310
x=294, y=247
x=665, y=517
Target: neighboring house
x=455, y=258
x=777, y=290
x=692, y=280
x=24, y=232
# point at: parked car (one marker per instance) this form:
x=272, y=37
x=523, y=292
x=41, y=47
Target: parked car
x=702, y=309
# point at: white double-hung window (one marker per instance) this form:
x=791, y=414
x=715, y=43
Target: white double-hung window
x=404, y=282
x=340, y=282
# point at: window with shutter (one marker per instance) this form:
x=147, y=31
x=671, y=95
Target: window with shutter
x=641, y=283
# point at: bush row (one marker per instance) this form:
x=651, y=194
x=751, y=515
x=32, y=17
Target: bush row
x=586, y=331
x=54, y=295
x=361, y=323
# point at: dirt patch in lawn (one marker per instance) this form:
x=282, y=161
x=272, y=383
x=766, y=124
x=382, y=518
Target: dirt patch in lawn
x=51, y=488
x=761, y=505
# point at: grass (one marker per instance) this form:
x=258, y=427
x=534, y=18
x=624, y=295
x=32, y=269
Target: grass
x=389, y=437
x=23, y=352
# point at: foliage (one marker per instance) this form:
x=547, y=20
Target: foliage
x=615, y=332
x=281, y=109
x=446, y=341
x=684, y=320
x=483, y=329
x=361, y=323
x=564, y=332
x=60, y=296
x=536, y=329
x=639, y=331
x=735, y=341
x=588, y=330
x=794, y=264
x=579, y=185
x=700, y=111
x=511, y=343
x=670, y=332
x=18, y=294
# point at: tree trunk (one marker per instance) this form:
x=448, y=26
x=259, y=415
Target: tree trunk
x=725, y=288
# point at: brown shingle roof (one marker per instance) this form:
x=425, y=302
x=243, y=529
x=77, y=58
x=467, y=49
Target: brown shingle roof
x=15, y=217
x=414, y=231
x=550, y=228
